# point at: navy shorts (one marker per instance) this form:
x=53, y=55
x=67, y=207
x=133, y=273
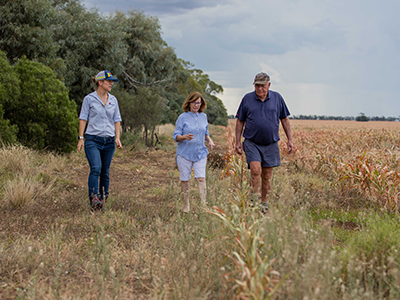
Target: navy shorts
x=267, y=155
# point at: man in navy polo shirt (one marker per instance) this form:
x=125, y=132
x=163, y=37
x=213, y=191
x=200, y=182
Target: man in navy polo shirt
x=261, y=112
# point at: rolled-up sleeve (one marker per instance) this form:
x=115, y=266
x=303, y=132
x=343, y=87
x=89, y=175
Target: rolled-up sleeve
x=84, y=109
x=117, y=114
x=178, y=128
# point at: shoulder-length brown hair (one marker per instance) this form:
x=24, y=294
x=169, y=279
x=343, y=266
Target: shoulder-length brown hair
x=193, y=97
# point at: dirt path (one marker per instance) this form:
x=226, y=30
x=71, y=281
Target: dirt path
x=140, y=173
x=142, y=182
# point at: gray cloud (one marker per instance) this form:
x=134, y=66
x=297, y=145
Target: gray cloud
x=153, y=7
x=325, y=57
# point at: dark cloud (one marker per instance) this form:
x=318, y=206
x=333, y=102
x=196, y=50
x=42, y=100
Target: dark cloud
x=153, y=7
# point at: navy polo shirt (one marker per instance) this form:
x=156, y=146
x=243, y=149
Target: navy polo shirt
x=262, y=118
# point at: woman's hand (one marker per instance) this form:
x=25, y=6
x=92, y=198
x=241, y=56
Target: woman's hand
x=181, y=138
x=118, y=143
x=210, y=143
x=80, y=145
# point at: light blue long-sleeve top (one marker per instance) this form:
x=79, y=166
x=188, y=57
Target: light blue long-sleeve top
x=101, y=118
x=196, y=124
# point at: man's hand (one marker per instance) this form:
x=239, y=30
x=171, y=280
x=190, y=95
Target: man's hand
x=238, y=135
x=239, y=149
x=288, y=131
x=290, y=147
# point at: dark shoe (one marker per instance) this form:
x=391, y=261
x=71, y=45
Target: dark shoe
x=264, y=207
x=253, y=200
x=96, y=204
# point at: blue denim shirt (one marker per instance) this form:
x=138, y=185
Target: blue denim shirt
x=196, y=124
x=101, y=118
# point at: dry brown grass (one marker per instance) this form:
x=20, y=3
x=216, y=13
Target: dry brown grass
x=143, y=247
x=24, y=189
x=357, y=157
x=345, y=124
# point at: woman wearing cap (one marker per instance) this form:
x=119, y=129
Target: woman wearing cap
x=191, y=130
x=101, y=113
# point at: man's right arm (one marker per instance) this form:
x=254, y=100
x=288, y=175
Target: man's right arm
x=238, y=133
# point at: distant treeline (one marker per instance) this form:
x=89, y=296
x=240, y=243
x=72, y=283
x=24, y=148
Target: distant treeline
x=361, y=118
x=315, y=117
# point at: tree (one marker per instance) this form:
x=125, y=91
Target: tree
x=9, y=91
x=26, y=29
x=77, y=44
x=151, y=74
x=45, y=116
x=216, y=111
x=141, y=112
x=362, y=118
x=150, y=60
x=88, y=43
x=199, y=81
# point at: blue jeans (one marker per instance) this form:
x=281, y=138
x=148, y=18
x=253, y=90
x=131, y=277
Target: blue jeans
x=99, y=153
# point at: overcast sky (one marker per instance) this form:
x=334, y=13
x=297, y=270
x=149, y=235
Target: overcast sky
x=325, y=57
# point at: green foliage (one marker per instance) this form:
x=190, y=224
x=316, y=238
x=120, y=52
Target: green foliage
x=199, y=81
x=362, y=118
x=76, y=43
x=88, y=43
x=173, y=102
x=8, y=132
x=45, y=116
x=141, y=112
x=9, y=91
x=150, y=60
x=378, y=240
x=26, y=29
x=374, y=253
x=216, y=111
x=151, y=65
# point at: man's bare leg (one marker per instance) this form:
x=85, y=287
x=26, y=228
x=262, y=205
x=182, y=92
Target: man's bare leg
x=265, y=183
x=255, y=174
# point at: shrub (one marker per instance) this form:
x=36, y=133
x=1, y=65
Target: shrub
x=45, y=116
x=9, y=90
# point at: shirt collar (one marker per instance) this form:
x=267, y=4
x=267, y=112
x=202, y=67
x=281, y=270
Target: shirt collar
x=194, y=114
x=98, y=97
x=259, y=98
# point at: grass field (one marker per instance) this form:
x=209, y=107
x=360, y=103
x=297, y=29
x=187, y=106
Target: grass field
x=332, y=231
